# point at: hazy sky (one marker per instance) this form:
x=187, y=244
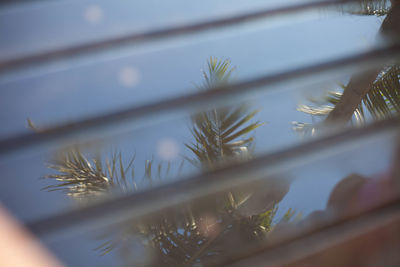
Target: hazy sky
x=134, y=75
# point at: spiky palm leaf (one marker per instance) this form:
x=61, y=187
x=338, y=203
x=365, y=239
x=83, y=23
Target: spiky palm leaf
x=218, y=73
x=197, y=236
x=220, y=134
x=368, y=7
x=179, y=241
x=381, y=101
x=80, y=178
x=176, y=240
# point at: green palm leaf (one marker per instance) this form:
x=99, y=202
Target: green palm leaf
x=176, y=239
x=381, y=101
x=80, y=178
x=219, y=134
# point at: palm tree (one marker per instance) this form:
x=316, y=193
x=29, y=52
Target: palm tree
x=382, y=100
x=375, y=90
x=217, y=133
x=220, y=137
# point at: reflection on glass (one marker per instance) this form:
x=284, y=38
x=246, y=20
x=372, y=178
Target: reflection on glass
x=369, y=7
x=375, y=90
x=203, y=232
x=196, y=235
x=220, y=133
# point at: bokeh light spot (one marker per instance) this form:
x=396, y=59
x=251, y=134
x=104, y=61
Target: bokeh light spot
x=128, y=76
x=167, y=149
x=94, y=14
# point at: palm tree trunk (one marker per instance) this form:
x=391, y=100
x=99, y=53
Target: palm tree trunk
x=355, y=91
x=361, y=83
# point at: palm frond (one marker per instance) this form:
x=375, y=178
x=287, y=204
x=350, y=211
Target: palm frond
x=303, y=129
x=368, y=8
x=80, y=178
x=381, y=101
x=220, y=134
x=218, y=73
x=195, y=236
x=153, y=229
x=176, y=239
